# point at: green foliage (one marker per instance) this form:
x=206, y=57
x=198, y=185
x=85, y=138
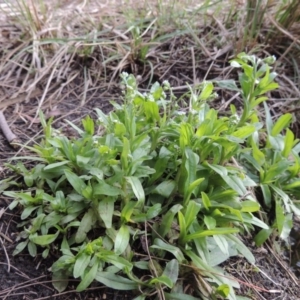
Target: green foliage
x=176, y=184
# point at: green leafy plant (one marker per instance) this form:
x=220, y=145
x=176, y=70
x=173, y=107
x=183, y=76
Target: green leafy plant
x=161, y=196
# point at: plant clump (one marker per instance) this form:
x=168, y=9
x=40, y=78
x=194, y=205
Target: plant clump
x=162, y=197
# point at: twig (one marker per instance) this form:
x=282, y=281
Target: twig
x=9, y=135
x=6, y=237
x=6, y=255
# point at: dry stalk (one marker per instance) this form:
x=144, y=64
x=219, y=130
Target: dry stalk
x=7, y=132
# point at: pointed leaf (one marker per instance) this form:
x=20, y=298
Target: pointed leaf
x=281, y=124
x=159, y=244
x=76, y=182
x=122, y=239
x=88, y=278
x=115, y=281
x=86, y=224
x=214, y=231
x=102, y=188
x=106, y=210
x=43, y=240
x=172, y=270
x=60, y=280
x=137, y=188
x=82, y=261
x=167, y=220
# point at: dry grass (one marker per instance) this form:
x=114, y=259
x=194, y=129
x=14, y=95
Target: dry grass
x=52, y=51
x=61, y=56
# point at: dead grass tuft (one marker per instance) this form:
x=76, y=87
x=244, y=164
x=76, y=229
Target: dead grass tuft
x=54, y=51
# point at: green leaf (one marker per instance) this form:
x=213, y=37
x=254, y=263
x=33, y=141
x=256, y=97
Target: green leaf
x=80, y=131
x=172, y=270
x=163, y=280
x=182, y=226
x=293, y=185
x=275, y=170
x=285, y=198
x=127, y=211
x=60, y=280
x=82, y=261
x=207, y=90
x=120, y=262
x=46, y=253
x=37, y=223
x=153, y=211
x=287, y=226
x=82, y=161
x=56, y=165
x=102, y=188
x=167, y=220
x=223, y=230
x=262, y=236
x=115, y=281
x=186, y=133
x=236, y=184
x=210, y=222
x=222, y=171
x=238, y=297
x=106, y=210
x=165, y=188
x=244, y=132
x=43, y=240
x=283, y=122
x=161, y=163
x=191, y=213
x=159, y=244
x=222, y=243
x=27, y=211
x=266, y=79
x=151, y=111
x=191, y=163
x=86, y=224
x=88, y=278
x=250, y=206
x=103, y=118
x=259, y=100
x=125, y=154
x=223, y=290
x=270, y=87
x=137, y=188
x=88, y=125
x=228, y=84
x=279, y=216
x=179, y=296
x=267, y=196
x=32, y=249
x=122, y=239
x=20, y=247
x=76, y=182
x=199, y=263
x=192, y=187
x=288, y=143
x=257, y=154
x=205, y=200
x=242, y=248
